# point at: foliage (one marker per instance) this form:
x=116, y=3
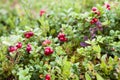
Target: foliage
x=82, y=44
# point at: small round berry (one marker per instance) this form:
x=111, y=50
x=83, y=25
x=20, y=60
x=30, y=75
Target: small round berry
x=48, y=41
x=92, y=22
x=48, y=51
x=107, y=5
x=94, y=9
x=47, y=77
x=61, y=35
x=108, y=8
x=42, y=12
x=28, y=48
x=19, y=45
x=12, y=48
x=30, y=33
x=95, y=19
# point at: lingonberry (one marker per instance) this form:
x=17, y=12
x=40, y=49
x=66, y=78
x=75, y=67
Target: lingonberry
x=62, y=37
x=12, y=48
x=95, y=20
x=47, y=77
x=92, y=22
x=28, y=48
x=48, y=51
x=42, y=12
x=19, y=45
x=94, y=9
x=107, y=5
x=28, y=34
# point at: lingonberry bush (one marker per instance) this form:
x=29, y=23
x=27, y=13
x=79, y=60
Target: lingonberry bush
x=62, y=40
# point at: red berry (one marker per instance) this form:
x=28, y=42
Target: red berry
x=62, y=37
x=42, y=12
x=108, y=8
x=94, y=9
x=28, y=48
x=95, y=19
x=48, y=51
x=107, y=5
x=51, y=51
x=19, y=45
x=28, y=34
x=92, y=22
x=47, y=77
x=98, y=13
x=12, y=48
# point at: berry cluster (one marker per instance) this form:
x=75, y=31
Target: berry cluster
x=48, y=51
x=28, y=34
x=14, y=48
x=107, y=6
x=96, y=11
x=62, y=37
x=94, y=20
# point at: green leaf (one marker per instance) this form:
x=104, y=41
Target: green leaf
x=97, y=48
x=87, y=77
x=99, y=77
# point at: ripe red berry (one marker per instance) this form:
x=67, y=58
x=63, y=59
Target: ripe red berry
x=94, y=9
x=62, y=37
x=108, y=8
x=28, y=48
x=42, y=12
x=12, y=48
x=95, y=19
x=19, y=45
x=92, y=22
x=28, y=34
x=47, y=77
x=107, y=5
x=48, y=51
